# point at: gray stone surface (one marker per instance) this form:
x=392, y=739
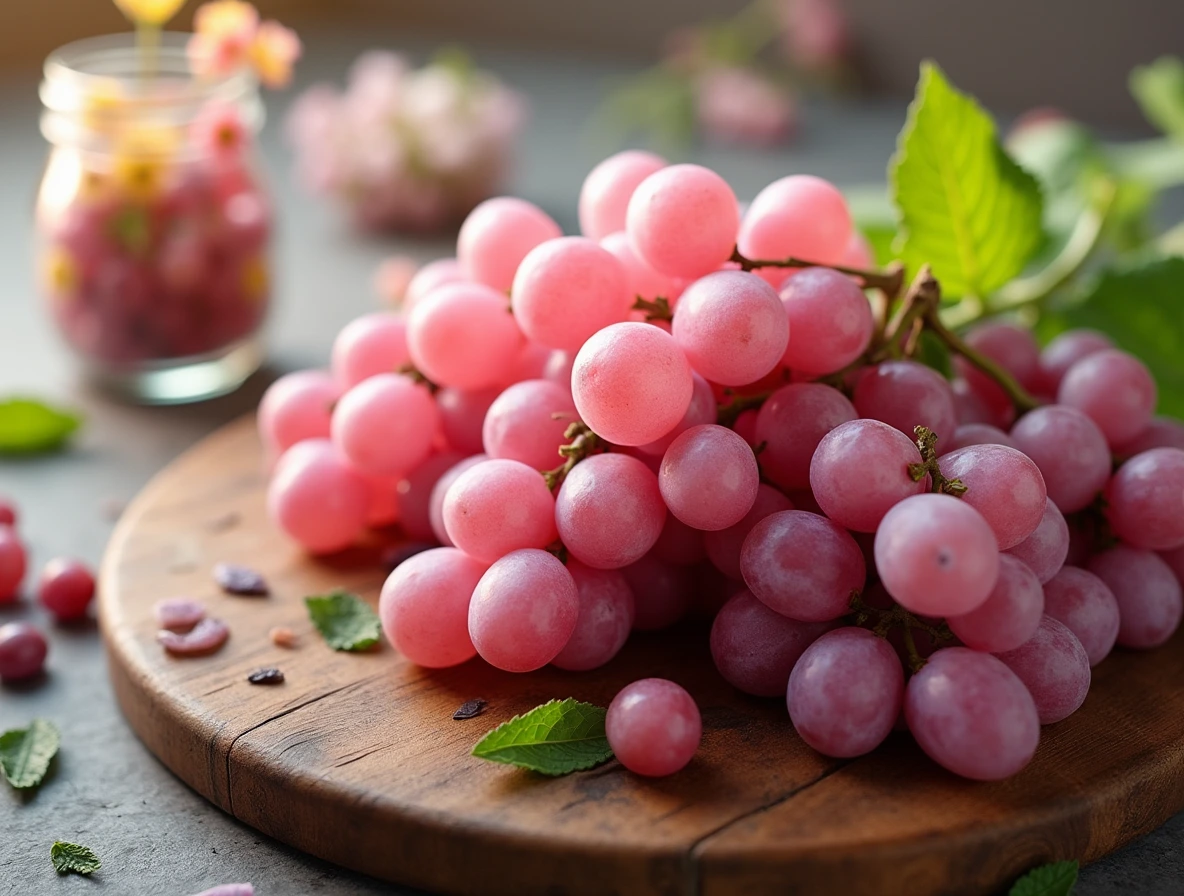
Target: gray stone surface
x=156, y=837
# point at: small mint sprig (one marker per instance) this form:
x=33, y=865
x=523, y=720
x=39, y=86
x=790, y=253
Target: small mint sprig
x=1057, y=879
x=70, y=858
x=557, y=738
x=26, y=753
x=345, y=621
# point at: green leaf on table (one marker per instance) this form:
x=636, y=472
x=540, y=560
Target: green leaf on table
x=29, y=426
x=1159, y=90
x=965, y=207
x=70, y=858
x=1056, y=879
x=557, y=738
x=345, y=621
x=25, y=753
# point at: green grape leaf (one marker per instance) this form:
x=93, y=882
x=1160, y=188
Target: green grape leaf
x=965, y=207
x=1159, y=90
x=344, y=620
x=932, y=352
x=1056, y=879
x=25, y=753
x=70, y=858
x=557, y=738
x=29, y=426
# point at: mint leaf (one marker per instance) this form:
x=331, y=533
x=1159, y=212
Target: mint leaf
x=70, y=858
x=965, y=206
x=344, y=620
x=1056, y=879
x=557, y=738
x=29, y=426
x=1159, y=90
x=25, y=753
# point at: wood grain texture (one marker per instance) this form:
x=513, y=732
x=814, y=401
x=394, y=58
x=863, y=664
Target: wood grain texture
x=356, y=758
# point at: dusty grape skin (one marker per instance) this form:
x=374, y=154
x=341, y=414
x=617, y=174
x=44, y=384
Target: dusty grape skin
x=653, y=727
x=604, y=621
x=1148, y=595
x=1087, y=607
x=1069, y=450
x=661, y=592
x=936, y=555
x=434, y=273
x=791, y=423
x=1002, y=484
x=802, y=565
x=499, y=506
x=386, y=425
x=1114, y=389
x=846, y=692
x=1009, y=616
x=606, y=191
x=609, y=511
x=860, y=470
x=701, y=410
x=1063, y=352
x=424, y=607
x=462, y=416
x=413, y=494
x=526, y=423
x=1175, y=560
x=679, y=544
x=497, y=235
x=724, y=545
x=830, y=321
x=755, y=649
x=368, y=345
x=524, y=610
x=1054, y=667
x=317, y=498
x=296, y=407
x=968, y=434
x=709, y=477
x=13, y=564
x=1145, y=500
x=22, y=651
x=973, y=409
x=1047, y=548
x=1010, y=346
x=972, y=715
x=440, y=490
x=905, y=394
x=1161, y=432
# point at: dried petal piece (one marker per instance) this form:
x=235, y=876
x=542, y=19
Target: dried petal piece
x=282, y=636
x=235, y=579
x=179, y=614
x=207, y=636
x=470, y=709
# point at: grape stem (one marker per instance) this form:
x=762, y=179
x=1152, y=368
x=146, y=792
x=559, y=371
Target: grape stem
x=411, y=371
x=881, y=622
x=658, y=309
x=938, y=483
x=888, y=281
x=736, y=405
x=583, y=442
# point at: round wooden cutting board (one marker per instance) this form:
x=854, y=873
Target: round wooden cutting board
x=356, y=757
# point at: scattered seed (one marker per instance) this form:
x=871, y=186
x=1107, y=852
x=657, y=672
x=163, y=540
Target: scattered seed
x=206, y=637
x=241, y=580
x=282, y=636
x=179, y=614
x=470, y=709
x=266, y=676
x=398, y=553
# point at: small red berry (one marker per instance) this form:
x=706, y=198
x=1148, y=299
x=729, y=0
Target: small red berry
x=22, y=651
x=12, y=563
x=66, y=588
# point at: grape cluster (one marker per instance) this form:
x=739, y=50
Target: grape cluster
x=673, y=414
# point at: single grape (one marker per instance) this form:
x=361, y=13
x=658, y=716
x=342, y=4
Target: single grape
x=530, y=363
x=604, y=621
x=499, y=506
x=371, y=344
x=745, y=427
x=524, y=610
x=802, y=565
x=13, y=562
x=22, y=651
x=424, y=607
x=972, y=715
x=1047, y=548
x=679, y=544
x=724, y=545
x=1086, y=605
x=527, y=421
x=644, y=282
x=830, y=319
x=972, y=409
x=846, y=692
x=433, y=274
x=386, y=425
x=1002, y=484
x=661, y=592
x=1063, y=352
x=801, y=216
x=1054, y=668
x=296, y=407
x=709, y=477
x=631, y=383
x=440, y=490
x=462, y=416
x=609, y=511
x=462, y=335
x=755, y=649
x=905, y=394
x=791, y=423
x=1070, y=451
x=860, y=470
x=8, y=514
x=653, y=727
x=936, y=555
x=1011, y=347
x=1009, y=616
x=1175, y=559
x=605, y=194
x=413, y=494
x=317, y=497
x=1114, y=389
x=558, y=368
x=1161, y=432
x=701, y=410
x=66, y=588
x=859, y=252
x=497, y=235
x=383, y=506
x=1149, y=600
x=968, y=434
x=1145, y=500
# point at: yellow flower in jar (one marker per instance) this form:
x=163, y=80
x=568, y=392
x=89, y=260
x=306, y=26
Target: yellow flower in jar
x=256, y=279
x=60, y=273
x=142, y=160
x=103, y=106
x=149, y=12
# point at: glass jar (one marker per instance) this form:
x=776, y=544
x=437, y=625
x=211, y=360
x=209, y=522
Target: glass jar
x=153, y=220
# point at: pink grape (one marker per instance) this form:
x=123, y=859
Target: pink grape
x=709, y=477
x=755, y=649
x=679, y=543
x=801, y=216
x=1054, y=668
x=1014, y=349
x=1148, y=594
x=499, y=506
x=1145, y=500
x=13, y=563
x=424, y=607
x=631, y=383
x=66, y=588
x=440, y=489
x=383, y=507
x=8, y=514
x=22, y=651
x=1114, y=389
x=745, y=427
x=846, y=692
x=433, y=274
x=661, y=592
x=368, y=345
x=653, y=727
x=791, y=423
x=859, y=252
x=830, y=320
x=972, y=715
x=1070, y=451
x=1161, y=432
x=386, y=425
x=462, y=335
x=802, y=566
x=936, y=555
x=682, y=220
x=524, y=610
x=968, y=434
x=497, y=235
x=604, y=621
x=527, y=421
x=1175, y=559
x=605, y=195
x=1087, y=607
x=724, y=545
x=1047, y=548
x=1009, y=616
x=317, y=497
x=413, y=495
x=1002, y=484
x=530, y=363
x=702, y=409
x=860, y=470
x=732, y=327
x=644, y=282
x=905, y=394
x=462, y=416
x=972, y=409
x=1066, y=350
x=609, y=511
x=558, y=368
x=296, y=407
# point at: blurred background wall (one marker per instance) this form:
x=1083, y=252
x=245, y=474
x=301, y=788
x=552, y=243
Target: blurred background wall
x=1013, y=54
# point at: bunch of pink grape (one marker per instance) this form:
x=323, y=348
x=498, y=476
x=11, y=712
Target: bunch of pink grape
x=589, y=469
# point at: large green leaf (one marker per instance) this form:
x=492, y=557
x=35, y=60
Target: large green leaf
x=557, y=738
x=966, y=208
x=1159, y=89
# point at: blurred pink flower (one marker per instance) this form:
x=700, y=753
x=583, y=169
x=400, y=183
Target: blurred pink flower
x=741, y=105
x=223, y=31
x=817, y=33
x=218, y=130
x=274, y=52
